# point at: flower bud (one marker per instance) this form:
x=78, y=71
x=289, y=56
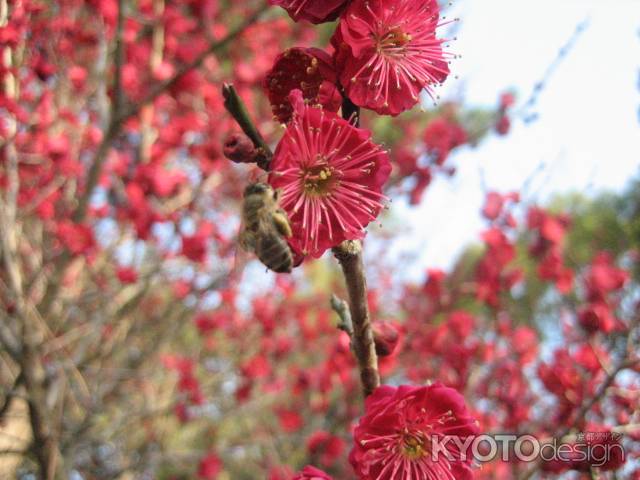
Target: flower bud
x=503, y=125
x=386, y=338
x=240, y=149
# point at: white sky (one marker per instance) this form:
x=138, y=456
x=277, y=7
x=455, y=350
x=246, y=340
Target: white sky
x=587, y=134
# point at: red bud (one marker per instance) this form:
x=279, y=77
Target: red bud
x=239, y=148
x=386, y=338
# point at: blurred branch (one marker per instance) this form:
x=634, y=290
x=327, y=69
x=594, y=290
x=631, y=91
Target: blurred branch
x=539, y=87
x=9, y=202
x=120, y=114
x=111, y=388
x=116, y=121
x=627, y=361
x=4, y=408
x=9, y=341
x=45, y=443
x=118, y=94
x=147, y=132
x=10, y=451
x=114, y=124
x=133, y=108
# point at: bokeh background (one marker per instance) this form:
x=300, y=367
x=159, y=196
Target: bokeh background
x=138, y=342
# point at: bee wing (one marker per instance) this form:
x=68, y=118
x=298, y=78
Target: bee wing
x=244, y=244
x=246, y=241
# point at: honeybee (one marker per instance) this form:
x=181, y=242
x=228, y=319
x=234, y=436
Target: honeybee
x=265, y=227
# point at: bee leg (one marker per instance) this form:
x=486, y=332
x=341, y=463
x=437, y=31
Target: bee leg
x=281, y=221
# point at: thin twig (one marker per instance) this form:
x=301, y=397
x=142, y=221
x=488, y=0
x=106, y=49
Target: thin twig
x=236, y=107
x=114, y=124
x=525, y=111
x=586, y=407
x=14, y=451
x=118, y=93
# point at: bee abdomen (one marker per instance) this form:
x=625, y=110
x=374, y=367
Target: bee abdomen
x=275, y=254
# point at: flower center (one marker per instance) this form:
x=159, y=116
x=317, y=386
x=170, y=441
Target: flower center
x=393, y=39
x=319, y=179
x=413, y=446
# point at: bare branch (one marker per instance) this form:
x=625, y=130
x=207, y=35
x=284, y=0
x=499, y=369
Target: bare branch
x=587, y=406
x=349, y=254
x=525, y=111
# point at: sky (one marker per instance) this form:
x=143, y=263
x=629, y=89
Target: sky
x=587, y=136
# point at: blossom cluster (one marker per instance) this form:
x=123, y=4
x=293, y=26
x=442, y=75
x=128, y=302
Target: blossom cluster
x=330, y=172
x=126, y=250
x=487, y=350
x=331, y=176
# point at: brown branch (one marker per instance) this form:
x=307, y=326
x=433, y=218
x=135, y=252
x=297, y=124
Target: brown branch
x=597, y=396
x=236, y=107
x=45, y=443
x=11, y=394
x=14, y=451
x=9, y=202
x=118, y=93
x=8, y=337
x=349, y=254
x=147, y=132
x=114, y=124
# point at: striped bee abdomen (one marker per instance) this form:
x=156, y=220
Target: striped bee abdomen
x=274, y=252
x=265, y=228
